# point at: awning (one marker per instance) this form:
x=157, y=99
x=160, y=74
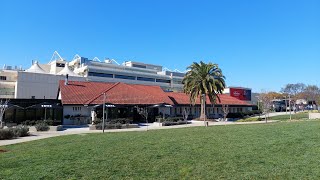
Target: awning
x=9, y=106
x=108, y=105
x=161, y=105
x=46, y=105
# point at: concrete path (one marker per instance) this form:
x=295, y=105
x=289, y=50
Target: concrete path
x=143, y=127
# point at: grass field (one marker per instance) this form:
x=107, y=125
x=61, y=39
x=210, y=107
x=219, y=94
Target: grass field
x=294, y=116
x=284, y=150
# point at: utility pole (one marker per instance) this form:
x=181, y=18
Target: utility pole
x=103, y=109
x=290, y=106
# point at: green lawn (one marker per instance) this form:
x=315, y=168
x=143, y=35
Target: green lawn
x=294, y=116
x=284, y=150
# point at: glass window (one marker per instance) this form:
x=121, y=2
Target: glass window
x=60, y=65
x=100, y=74
x=139, y=66
x=163, y=80
x=3, y=78
x=125, y=77
x=145, y=79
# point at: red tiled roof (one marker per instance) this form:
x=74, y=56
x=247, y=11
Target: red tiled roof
x=182, y=98
x=128, y=94
x=116, y=93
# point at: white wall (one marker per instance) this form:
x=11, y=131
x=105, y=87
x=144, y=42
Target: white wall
x=39, y=85
x=75, y=110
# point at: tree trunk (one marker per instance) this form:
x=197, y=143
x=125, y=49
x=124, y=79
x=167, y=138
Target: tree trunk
x=203, y=112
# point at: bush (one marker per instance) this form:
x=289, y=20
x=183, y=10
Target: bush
x=112, y=123
x=49, y=122
x=6, y=134
x=20, y=131
x=97, y=121
x=235, y=115
x=250, y=119
x=9, y=133
x=42, y=126
x=29, y=122
x=174, y=119
x=171, y=123
x=109, y=126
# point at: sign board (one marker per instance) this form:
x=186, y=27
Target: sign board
x=242, y=94
x=110, y=105
x=46, y=106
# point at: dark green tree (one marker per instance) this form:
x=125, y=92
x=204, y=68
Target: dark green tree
x=203, y=79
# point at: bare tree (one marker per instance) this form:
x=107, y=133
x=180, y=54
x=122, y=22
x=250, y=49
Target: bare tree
x=293, y=89
x=185, y=114
x=312, y=93
x=143, y=111
x=265, y=100
x=3, y=108
x=225, y=110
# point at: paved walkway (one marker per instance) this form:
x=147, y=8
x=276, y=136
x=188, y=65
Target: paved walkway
x=143, y=127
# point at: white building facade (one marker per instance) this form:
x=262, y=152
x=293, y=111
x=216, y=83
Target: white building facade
x=40, y=81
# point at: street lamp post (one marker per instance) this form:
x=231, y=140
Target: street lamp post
x=290, y=106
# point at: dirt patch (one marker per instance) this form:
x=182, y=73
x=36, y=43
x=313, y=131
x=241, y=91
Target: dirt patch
x=2, y=151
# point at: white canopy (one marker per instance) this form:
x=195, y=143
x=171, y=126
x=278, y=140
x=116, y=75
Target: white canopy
x=35, y=68
x=66, y=70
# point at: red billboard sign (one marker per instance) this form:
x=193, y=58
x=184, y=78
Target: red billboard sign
x=242, y=94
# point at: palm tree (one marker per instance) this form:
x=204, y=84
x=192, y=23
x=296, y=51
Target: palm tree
x=203, y=80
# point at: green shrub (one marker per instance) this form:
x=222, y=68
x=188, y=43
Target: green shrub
x=108, y=126
x=97, y=121
x=235, y=115
x=174, y=119
x=20, y=131
x=49, y=122
x=29, y=122
x=42, y=126
x=171, y=123
x=118, y=125
x=250, y=119
x=6, y=134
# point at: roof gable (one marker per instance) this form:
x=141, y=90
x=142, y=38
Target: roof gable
x=116, y=93
x=128, y=94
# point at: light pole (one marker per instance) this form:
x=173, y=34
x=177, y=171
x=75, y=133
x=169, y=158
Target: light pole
x=290, y=106
x=285, y=101
x=103, y=115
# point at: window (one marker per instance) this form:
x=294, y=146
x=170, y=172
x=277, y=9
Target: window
x=163, y=80
x=177, y=81
x=125, y=77
x=145, y=79
x=139, y=66
x=76, y=109
x=3, y=78
x=60, y=65
x=100, y=74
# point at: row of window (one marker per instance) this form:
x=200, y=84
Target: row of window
x=3, y=78
x=180, y=110
x=128, y=77
x=76, y=109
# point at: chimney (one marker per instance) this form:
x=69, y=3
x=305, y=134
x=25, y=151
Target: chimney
x=66, y=80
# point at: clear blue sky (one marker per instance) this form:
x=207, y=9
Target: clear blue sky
x=262, y=44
